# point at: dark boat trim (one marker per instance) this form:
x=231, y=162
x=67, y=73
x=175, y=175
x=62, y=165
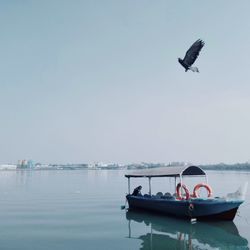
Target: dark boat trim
x=198, y=209
x=227, y=215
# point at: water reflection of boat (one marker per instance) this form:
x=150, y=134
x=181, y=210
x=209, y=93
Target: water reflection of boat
x=172, y=233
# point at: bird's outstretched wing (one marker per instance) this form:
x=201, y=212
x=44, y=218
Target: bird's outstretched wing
x=193, y=52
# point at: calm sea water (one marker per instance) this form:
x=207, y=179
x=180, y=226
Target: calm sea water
x=81, y=210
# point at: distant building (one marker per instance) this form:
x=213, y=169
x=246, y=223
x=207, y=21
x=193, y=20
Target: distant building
x=30, y=164
x=25, y=164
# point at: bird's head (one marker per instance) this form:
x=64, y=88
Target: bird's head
x=179, y=60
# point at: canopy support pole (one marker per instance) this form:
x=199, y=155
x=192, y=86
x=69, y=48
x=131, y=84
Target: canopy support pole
x=206, y=179
x=175, y=182
x=128, y=185
x=181, y=184
x=149, y=182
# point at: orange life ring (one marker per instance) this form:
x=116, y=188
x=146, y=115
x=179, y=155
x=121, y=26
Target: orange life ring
x=198, y=186
x=178, y=192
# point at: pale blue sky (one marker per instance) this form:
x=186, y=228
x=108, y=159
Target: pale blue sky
x=85, y=81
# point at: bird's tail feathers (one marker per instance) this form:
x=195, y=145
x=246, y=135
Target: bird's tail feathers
x=194, y=69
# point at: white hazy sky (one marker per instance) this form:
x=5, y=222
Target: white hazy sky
x=84, y=81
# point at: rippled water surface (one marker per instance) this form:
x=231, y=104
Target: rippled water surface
x=81, y=210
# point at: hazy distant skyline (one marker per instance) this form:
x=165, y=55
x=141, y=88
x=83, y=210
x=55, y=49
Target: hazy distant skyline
x=89, y=81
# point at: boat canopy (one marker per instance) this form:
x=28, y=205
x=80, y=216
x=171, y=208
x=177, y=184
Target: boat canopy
x=168, y=172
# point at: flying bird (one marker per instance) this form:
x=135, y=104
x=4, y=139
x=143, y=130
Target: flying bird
x=191, y=56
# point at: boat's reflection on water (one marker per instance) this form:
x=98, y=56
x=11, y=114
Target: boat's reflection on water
x=170, y=233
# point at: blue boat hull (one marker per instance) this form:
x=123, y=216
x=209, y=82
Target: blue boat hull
x=209, y=209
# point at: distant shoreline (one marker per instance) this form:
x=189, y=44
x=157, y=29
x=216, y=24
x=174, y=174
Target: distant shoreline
x=40, y=167
x=227, y=167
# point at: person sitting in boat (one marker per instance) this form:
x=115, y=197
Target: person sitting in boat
x=137, y=191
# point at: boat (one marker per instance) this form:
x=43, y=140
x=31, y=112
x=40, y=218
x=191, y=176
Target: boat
x=183, y=203
x=174, y=233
